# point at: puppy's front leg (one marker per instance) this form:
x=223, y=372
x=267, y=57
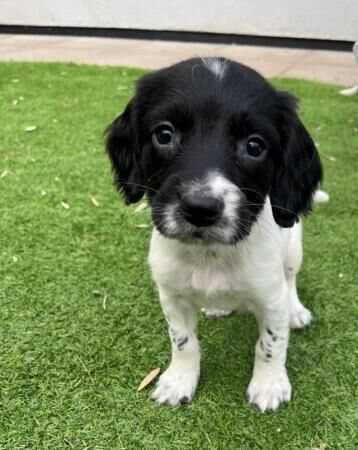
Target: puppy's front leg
x=178, y=383
x=270, y=386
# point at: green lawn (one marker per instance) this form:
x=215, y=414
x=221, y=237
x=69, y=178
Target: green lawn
x=70, y=365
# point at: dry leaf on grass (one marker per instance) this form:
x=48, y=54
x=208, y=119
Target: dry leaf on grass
x=321, y=446
x=4, y=174
x=15, y=259
x=104, y=302
x=94, y=202
x=43, y=193
x=31, y=128
x=65, y=205
x=142, y=225
x=141, y=207
x=331, y=158
x=149, y=378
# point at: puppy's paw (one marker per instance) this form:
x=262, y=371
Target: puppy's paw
x=176, y=386
x=268, y=391
x=216, y=312
x=300, y=317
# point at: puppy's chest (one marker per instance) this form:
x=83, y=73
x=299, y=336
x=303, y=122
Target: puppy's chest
x=208, y=274
x=212, y=272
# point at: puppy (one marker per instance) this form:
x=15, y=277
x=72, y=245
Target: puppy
x=229, y=170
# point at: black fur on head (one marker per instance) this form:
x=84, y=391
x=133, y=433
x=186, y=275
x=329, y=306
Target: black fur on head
x=209, y=140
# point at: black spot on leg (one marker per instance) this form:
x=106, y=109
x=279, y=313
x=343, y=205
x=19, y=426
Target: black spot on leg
x=174, y=335
x=182, y=342
x=262, y=346
x=271, y=333
x=268, y=355
x=172, y=331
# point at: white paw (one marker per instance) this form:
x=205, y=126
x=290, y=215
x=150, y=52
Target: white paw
x=216, y=312
x=176, y=386
x=300, y=317
x=268, y=391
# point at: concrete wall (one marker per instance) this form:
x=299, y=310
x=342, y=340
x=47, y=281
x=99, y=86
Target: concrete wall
x=324, y=19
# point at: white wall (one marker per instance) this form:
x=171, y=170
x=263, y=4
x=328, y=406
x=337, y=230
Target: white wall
x=324, y=19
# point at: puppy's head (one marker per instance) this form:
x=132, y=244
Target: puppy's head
x=208, y=140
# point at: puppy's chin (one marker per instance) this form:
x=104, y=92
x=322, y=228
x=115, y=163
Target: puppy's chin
x=203, y=236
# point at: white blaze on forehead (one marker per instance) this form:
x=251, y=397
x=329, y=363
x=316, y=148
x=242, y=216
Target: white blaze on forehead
x=215, y=65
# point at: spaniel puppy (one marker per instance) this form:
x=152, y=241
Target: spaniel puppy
x=229, y=170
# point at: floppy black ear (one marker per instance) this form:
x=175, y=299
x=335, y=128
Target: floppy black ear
x=298, y=169
x=123, y=149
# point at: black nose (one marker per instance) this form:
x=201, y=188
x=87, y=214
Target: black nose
x=201, y=210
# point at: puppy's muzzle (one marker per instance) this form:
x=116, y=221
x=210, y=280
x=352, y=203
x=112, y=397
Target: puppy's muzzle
x=201, y=210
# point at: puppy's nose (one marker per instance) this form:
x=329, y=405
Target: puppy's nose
x=201, y=210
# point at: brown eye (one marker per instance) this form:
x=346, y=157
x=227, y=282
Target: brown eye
x=255, y=146
x=163, y=136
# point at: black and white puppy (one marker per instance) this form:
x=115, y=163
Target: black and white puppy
x=229, y=169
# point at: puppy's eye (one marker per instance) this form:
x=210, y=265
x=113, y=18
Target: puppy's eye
x=255, y=146
x=163, y=136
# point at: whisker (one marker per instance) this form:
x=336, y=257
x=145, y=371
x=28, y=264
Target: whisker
x=122, y=181
x=273, y=206
x=253, y=190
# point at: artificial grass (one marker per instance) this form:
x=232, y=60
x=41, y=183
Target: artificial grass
x=70, y=368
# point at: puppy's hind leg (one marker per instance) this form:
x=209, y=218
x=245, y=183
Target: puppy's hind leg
x=300, y=316
x=177, y=385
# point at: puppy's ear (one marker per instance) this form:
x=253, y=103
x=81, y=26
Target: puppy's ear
x=123, y=149
x=298, y=167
